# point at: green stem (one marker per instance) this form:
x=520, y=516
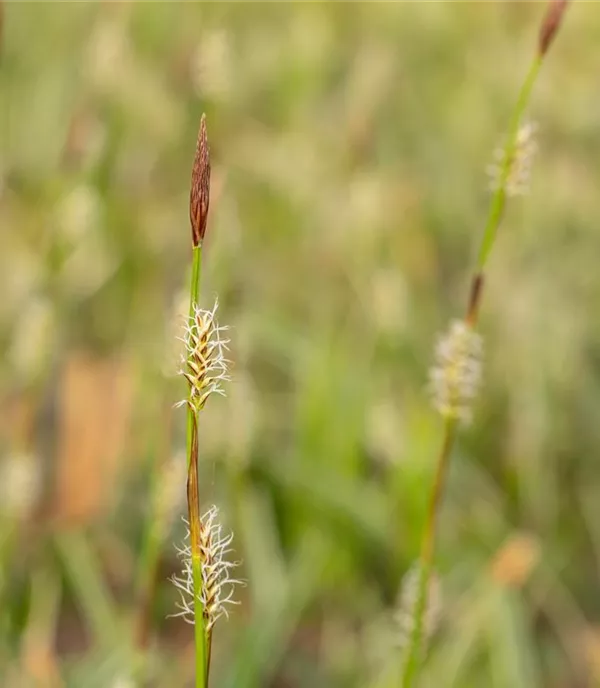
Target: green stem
x=199, y=631
x=194, y=290
x=194, y=515
x=147, y=577
x=195, y=281
x=200, y=635
x=413, y=657
x=499, y=197
x=148, y=559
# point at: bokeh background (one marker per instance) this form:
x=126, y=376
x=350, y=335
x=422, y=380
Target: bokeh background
x=349, y=146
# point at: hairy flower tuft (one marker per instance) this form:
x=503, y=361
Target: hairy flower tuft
x=203, y=364
x=511, y=169
x=456, y=376
x=218, y=586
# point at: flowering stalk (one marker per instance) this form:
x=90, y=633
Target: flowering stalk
x=200, y=634
x=199, y=203
x=456, y=376
x=206, y=571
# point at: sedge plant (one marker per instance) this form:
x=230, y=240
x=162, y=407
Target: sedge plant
x=456, y=375
x=205, y=583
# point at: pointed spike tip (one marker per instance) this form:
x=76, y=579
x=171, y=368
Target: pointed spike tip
x=200, y=188
x=551, y=24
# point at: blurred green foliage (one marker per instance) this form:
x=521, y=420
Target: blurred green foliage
x=349, y=146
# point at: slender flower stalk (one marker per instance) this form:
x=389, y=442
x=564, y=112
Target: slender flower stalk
x=456, y=376
x=199, y=203
x=203, y=366
x=205, y=584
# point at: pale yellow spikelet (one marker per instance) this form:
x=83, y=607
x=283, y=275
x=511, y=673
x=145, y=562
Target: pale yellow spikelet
x=456, y=376
x=516, y=179
x=203, y=364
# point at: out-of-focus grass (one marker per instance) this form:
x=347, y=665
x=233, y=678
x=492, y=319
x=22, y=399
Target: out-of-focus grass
x=349, y=145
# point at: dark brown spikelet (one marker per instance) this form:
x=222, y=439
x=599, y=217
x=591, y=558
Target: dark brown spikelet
x=200, y=191
x=551, y=23
x=474, y=299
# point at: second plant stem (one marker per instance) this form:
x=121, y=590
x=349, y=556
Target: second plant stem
x=413, y=656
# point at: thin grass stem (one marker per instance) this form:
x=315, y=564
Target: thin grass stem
x=411, y=664
x=413, y=656
x=499, y=198
x=200, y=639
x=82, y=569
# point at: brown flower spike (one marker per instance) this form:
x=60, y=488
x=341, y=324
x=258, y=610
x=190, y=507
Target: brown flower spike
x=200, y=191
x=551, y=24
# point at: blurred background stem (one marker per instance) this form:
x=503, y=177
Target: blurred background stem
x=413, y=656
x=414, y=651
x=499, y=196
x=84, y=573
x=200, y=635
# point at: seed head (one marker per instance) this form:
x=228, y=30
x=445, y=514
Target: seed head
x=456, y=376
x=218, y=586
x=200, y=189
x=204, y=365
x=511, y=169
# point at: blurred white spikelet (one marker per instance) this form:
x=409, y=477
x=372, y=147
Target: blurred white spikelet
x=516, y=182
x=405, y=613
x=218, y=586
x=456, y=377
x=170, y=495
x=20, y=486
x=211, y=65
x=123, y=681
x=203, y=364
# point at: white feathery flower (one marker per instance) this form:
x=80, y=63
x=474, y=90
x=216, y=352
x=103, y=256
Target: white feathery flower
x=204, y=365
x=218, y=586
x=520, y=162
x=456, y=377
x=405, y=613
